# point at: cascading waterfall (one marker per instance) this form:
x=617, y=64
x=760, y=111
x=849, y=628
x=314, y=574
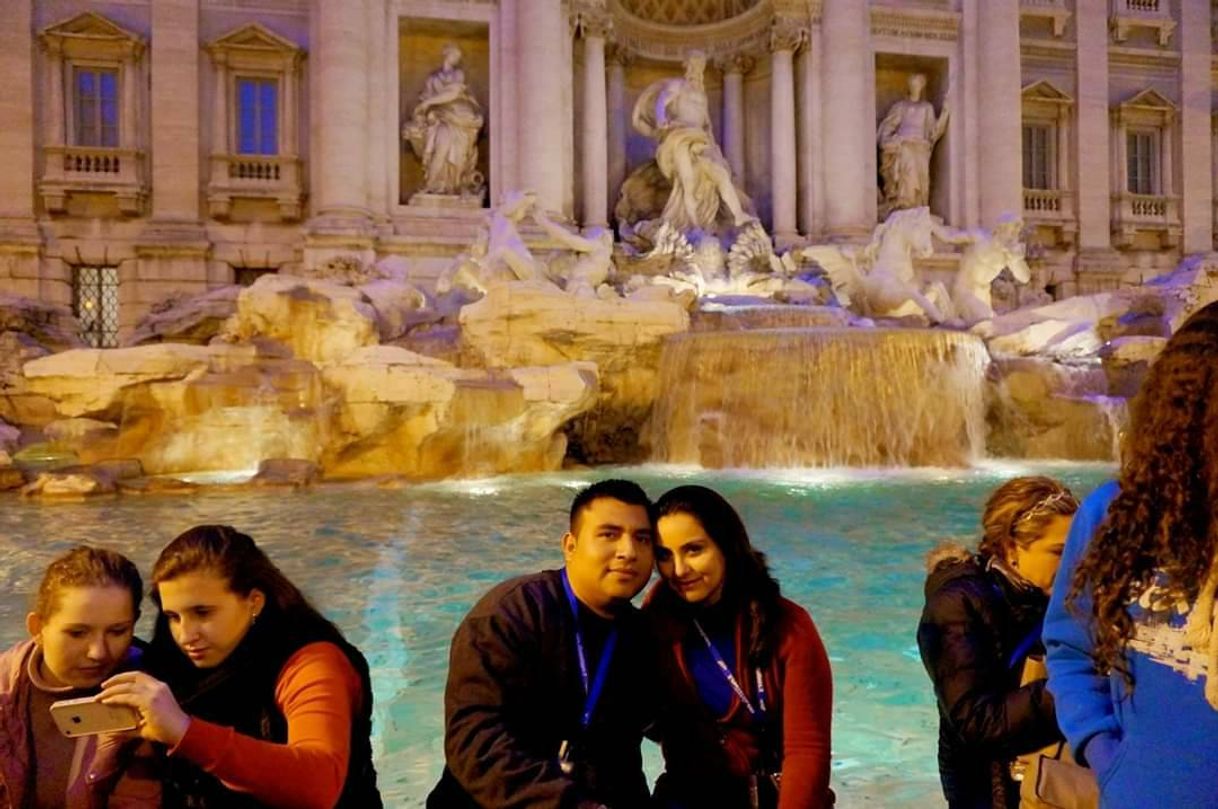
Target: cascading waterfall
x=820, y=397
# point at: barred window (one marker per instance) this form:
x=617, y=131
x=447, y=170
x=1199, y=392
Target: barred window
x=95, y=99
x=95, y=304
x=1038, y=157
x=1142, y=157
x=257, y=116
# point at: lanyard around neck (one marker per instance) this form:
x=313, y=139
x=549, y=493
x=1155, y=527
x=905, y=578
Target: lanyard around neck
x=760, y=710
x=592, y=692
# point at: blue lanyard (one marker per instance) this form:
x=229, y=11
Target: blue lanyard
x=760, y=710
x=591, y=693
x=1025, y=646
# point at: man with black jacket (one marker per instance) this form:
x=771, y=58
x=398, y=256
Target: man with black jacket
x=549, y=677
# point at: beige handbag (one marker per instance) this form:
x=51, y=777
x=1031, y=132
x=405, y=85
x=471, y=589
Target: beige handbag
x=1050, y=778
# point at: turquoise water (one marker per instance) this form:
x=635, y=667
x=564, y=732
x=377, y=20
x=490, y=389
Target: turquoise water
x=397, y=569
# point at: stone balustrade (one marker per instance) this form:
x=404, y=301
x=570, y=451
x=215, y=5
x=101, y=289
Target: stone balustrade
x=1155, y=213
x=1153, y=14
x=255, y=177
x=93, y=170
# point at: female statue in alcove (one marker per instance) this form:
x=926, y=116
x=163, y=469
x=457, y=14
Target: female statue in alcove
x=443, y=131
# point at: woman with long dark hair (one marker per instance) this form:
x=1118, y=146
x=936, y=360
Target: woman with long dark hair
x=1132, y=647
x=261, y=700
x=747, y=691
x=980, y=632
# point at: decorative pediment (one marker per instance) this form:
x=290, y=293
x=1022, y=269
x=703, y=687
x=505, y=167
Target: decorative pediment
x=1044, y=91
x=1150, y=99
x=92, y=34
x=254, y=37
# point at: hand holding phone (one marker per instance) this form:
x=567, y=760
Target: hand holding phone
x=87, y=716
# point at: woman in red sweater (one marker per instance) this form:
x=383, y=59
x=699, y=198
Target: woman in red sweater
x=748, y=694
x=261, y=701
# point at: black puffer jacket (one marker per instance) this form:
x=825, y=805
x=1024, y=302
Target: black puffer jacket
x=974, y=620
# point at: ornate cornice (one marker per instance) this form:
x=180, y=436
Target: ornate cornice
x=915, y=23
x=590, y=18
x=746, y=32
x=738, y=62
x=788, y=33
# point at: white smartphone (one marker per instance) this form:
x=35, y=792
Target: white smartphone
x=85, y=717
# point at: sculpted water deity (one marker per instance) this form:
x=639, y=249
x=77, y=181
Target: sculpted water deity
x=906, y=137
x=443, y=131
x=675, y=113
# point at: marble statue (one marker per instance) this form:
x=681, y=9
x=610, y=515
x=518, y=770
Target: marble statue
x=674, y=112
x=443, y=131
x=498, y=254
x=589, y=273
x=986, y=254
x=906, y=137
x=879, y=279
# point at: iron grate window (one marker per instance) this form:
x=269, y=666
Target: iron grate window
x=95, y=304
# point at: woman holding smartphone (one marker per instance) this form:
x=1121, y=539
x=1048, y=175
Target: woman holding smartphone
x=746, y=686
x=81, y=631
x=261, y=701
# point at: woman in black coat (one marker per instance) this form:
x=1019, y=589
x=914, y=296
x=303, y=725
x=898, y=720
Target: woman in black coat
x=980, y=625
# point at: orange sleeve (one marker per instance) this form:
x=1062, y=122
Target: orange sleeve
x=318, y=692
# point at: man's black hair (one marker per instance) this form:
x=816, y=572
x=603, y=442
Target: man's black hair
x=626, y=491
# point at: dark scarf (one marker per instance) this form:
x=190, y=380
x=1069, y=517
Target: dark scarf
x=240, y=693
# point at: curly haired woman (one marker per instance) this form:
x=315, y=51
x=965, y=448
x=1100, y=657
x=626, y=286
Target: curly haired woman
x=1132, y=651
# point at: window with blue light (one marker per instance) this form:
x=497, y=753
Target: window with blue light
x=95, y=94
x=257, y=116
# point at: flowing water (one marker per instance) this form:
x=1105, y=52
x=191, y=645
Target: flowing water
x=397, y=569
x=820, y=397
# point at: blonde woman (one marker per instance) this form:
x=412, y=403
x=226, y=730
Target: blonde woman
x=980, y=625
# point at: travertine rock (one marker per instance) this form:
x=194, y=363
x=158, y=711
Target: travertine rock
x=193, y=320
x=524, y=324
x=291, y=472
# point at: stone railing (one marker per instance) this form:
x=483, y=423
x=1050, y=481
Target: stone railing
x=1153, y=14
x=1053, y=210
x=1147, y=213
x=255, y=177
x=92, y=170
x=1042, y=201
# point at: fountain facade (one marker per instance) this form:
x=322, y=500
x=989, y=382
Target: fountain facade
x=880, y=397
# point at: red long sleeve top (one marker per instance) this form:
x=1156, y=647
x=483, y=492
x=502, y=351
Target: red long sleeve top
x=802, y=682
x=318, y=693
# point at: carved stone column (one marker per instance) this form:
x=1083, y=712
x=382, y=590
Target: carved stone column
x=1196, y=159
x=174, y=46
x=849, y=121
x=786, y=36
x=617, y=127
x=338, y=84
x=734, y=68
x=55, y=106
x=593, y=22
x=999, y=120
x=1094, y=180
x=219, y=103
x=543, y=25
x=17, y=134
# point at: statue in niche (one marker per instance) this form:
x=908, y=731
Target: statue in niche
x=702, y=195
x=906, y=137
x=443, y=131
x=986, y=254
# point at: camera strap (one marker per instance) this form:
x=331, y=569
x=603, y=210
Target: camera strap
x=760, y=711
x=592, y=691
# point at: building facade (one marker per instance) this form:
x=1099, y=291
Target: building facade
x=159, y=148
